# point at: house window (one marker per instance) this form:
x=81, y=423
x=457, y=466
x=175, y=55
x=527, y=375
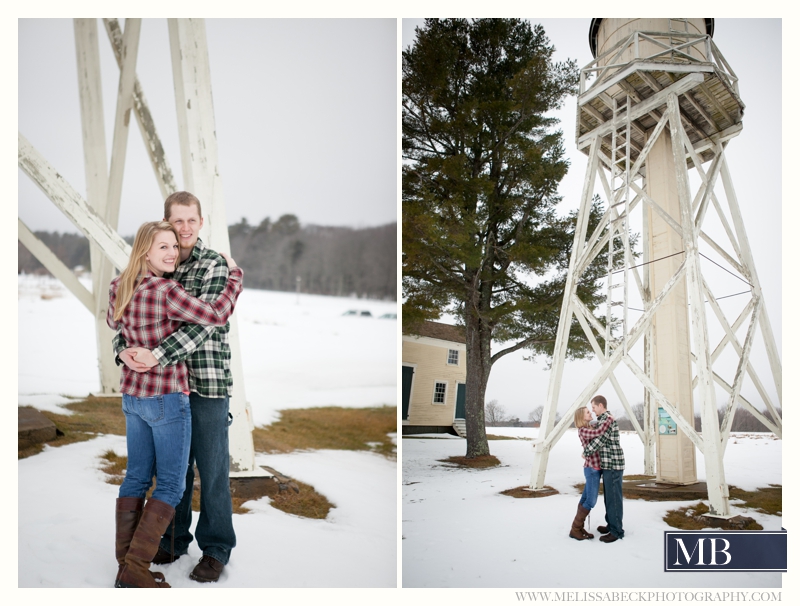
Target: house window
x=452, y=357
x=439, y=392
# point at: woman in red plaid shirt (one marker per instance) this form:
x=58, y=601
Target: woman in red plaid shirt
x=146, y=308
x=591, y=471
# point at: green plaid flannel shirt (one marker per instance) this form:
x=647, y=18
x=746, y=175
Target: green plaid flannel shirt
x=611, y=455
x=204, y=348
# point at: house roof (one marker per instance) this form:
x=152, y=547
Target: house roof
x=437, y=330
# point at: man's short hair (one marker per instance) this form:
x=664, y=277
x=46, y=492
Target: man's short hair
x=184, y=198
x=600, y=400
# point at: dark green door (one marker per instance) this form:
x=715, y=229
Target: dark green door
x=461, y=401
x=408, y=375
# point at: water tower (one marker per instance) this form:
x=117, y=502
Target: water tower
x=657, y=108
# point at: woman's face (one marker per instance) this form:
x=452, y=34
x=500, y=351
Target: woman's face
x=163, y=253
x=587, y=415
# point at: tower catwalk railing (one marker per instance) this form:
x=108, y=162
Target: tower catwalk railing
x=675, y=47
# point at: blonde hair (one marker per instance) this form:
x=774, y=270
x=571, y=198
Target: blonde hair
x=580, y=418
x=137, y=268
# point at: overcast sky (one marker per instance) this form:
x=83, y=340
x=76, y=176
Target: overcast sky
x=752, y=47
x=305, y=110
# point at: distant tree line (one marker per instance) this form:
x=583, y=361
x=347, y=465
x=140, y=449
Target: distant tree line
x=71, y=249
x=496, y=416
x=338, y=261
x=328, y=260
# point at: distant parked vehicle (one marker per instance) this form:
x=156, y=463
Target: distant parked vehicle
x=358, y=312
x=388, y=317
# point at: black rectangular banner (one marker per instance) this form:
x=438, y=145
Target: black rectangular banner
x=725, y=550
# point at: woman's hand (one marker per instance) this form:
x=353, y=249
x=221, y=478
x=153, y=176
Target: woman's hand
x=138, y=359
x=229, y=260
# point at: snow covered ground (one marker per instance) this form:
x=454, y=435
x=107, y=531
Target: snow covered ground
x=297, y=353
x=459, y=531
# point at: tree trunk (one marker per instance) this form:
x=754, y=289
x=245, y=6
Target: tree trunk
x=478, y=336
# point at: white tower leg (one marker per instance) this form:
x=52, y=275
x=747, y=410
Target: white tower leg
x=197, y=133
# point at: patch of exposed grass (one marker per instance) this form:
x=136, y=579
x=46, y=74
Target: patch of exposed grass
x=524, y=492
x=490, y=436
x=691, y=518
x=482, y=462
x=92, y=416
x=332, y=428
x=308, y=503
x=688, y=518
x=114, y=467
x=764, y=500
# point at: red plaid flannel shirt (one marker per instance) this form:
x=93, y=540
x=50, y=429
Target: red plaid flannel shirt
x=587, y=434
x=156, y=310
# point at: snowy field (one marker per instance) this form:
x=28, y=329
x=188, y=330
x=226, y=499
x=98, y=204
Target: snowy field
x=297, y=353
x=458, y=531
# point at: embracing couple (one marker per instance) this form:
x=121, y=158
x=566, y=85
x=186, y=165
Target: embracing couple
x=170, y=307
x=603, y=457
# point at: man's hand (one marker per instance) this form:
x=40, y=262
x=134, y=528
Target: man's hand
x=138, y=359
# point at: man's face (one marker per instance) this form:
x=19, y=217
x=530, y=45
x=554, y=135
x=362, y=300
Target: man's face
x=598, y=408
x=187, y=220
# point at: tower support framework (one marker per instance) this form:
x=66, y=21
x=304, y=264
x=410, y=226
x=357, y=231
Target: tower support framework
x=670, y=93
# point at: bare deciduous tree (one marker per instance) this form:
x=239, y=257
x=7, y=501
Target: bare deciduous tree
x=495, y=413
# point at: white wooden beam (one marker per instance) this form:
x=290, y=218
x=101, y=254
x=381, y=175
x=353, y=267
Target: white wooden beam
x=127, y=77
x=197, y=131
x=776, y=429
x=96, y=170
x=542, y=448
x=75, y=208
x=730, y=337
x=147, y=127
x=583, y=313
x=715, y=471
x=722, y=253
x=747, y=257
x=54, y=265
x=744, y=362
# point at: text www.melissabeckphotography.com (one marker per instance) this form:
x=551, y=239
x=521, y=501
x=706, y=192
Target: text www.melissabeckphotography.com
x=648, y=596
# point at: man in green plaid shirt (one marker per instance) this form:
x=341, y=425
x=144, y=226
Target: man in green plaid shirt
x=612, y=465
x=203, y=273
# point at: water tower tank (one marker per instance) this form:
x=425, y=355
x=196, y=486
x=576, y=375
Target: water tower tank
x=605, y=33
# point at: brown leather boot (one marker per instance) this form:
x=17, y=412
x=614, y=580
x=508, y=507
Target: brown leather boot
x=576, y=532
x=584, y=512
x=144, y=545
x=128, y=512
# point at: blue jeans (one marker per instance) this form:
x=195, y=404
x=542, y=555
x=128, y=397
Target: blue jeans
x=209, y=451
x=159, y=432
x=592, y=487
x=612, y=496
